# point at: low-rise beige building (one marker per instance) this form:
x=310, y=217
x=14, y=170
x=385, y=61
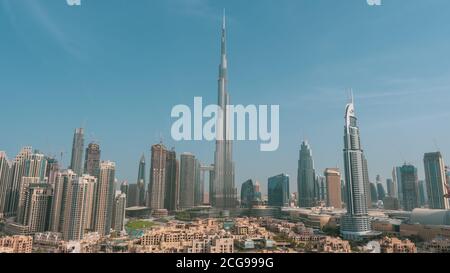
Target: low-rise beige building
x=16, y=244
x=395, y=245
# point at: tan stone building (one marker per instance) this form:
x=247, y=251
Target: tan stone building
x=333, y=181
x=394, y=245
x=16, y=244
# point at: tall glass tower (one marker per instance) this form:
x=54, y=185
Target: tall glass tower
x=306, y=177
x=224, y=195
x=356, y=223
x=77, y=152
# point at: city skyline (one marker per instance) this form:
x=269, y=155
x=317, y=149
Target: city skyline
x=404, y=144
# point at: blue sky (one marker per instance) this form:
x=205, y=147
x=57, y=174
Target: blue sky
x=118, y=67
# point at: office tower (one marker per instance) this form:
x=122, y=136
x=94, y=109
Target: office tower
x=409, y=187
x=397, y=178
x=77, y=151
x=79, y=205
x=52, y=170
x=373, y=192
x=366, y=179
x=198, y=185
x=172, y=181
x=333, y=184
x=119, y=212
x=34, y=171
x=36, y=206
x=435, y=178
x=156, y=187
x=356, y=223
x=305, y=177
x=188, y=165
x=61, y=189
x=92, y=159
x=104, y=198
x=4, y=181
x=17, y=171
x=422, y=193
x=278, y=191
x=390, y=187
x=24, y=187
x=247, y=194
x=141, y=183
x=380, y=188
x=133, y=196
x=224, y=195
x=344, y=193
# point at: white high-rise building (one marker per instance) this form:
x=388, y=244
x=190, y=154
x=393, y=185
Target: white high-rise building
x=356, y=223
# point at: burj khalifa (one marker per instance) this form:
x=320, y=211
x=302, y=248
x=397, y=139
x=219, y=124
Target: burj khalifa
x=223, y=189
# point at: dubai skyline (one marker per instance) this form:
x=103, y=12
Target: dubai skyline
x=400, y=88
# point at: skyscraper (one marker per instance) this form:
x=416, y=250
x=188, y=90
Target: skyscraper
x=278, y=191
x=333, y=182
x=156, y=187
x=141, y=183
x=92, y=160
x=366, y=179
x=356, y=223
x=224, y=195
x=104, y=198
x=17, y=171
x=60, y=196
x=79, y=205
x=321, y=189
x=172, y=181
x=435, y=178
x=390, y=188
x=380, y=188
x=305, y=177
x=199, y=188
x=409, y=187
x=36, y=205
x=188, y=164
x=422, y=193
x=77, y=151
x=119, y=212
x=397, y=178
x=373, y=192
x=247, y=194
x=4, y=181
x=133, y=195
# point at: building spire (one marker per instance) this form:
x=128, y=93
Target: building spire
x=224, y=21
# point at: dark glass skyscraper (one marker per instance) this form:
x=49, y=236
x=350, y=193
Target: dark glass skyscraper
x=278, y=190
x=77, y=152
x=409, y=187
x=355, y=224
x=435, y=178
x=247, y=194
x=141, y=184
x=172, y=181
x=188, y=164
x=306, y=177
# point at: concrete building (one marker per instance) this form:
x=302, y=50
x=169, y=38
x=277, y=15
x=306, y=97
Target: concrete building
x=4, y=181
x=104, y=198
x=394, y=245
x=60, y=193
x=119, y=212
x=16, y=244
x=333, y=183
x=156, y=187
x=141, y=184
